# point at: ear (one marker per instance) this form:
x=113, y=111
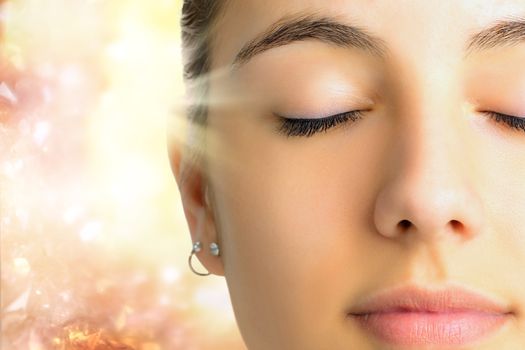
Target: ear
x=197, y=210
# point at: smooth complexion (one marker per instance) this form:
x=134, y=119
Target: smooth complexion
x=423, y=191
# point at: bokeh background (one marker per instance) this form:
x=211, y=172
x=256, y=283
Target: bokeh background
x=94, y=243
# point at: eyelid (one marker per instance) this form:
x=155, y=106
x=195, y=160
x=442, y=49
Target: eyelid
x=324, y=114
x=293, y=126
x=511, y=121
x=499, y=114
x=299, y=117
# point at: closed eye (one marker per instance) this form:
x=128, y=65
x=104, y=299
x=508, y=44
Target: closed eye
x=309, y=126
x=509, y=120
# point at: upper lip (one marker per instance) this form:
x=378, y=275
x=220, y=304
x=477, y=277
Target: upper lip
x=418, y=299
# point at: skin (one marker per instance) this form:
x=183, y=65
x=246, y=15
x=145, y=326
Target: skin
x=308, y=226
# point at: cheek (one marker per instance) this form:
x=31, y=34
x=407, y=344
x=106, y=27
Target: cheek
x=502, y=171
x=294, y=219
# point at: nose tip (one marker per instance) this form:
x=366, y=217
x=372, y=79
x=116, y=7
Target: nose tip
x=430, y=212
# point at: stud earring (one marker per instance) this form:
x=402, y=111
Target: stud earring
x=214, y=249
x=197, y=246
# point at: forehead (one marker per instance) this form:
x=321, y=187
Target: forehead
x=426, y=29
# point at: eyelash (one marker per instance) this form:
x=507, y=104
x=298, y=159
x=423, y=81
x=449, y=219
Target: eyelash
x=309, y=126
x=512, y=122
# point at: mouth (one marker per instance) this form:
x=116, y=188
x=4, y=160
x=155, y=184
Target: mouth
x=417, y=316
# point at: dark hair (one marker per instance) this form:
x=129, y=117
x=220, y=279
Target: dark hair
x=198, y=18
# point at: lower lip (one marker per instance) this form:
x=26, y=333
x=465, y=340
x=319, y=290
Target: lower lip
x=431, y=328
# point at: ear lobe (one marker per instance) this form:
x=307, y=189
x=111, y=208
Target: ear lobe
x=198, y=213
x=205, y=229
x=201, y=223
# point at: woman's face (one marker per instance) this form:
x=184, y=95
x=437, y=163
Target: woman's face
x=416, y=195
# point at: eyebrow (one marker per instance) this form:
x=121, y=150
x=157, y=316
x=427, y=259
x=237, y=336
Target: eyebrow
x=299, y=28
x=329, y=30
x=503, y=33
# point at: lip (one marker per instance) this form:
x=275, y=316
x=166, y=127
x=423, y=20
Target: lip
x=411, y=315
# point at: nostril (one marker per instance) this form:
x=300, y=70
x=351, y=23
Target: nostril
x=404, y=224
x=457, y=226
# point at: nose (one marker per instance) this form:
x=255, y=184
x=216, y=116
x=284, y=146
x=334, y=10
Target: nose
x=428, y=189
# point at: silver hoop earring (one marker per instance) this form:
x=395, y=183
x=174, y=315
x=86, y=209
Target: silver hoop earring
x=197, y=246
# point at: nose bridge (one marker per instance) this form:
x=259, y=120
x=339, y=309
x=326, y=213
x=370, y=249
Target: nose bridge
x=429, y=125
x=428, y=106
x=428, y=189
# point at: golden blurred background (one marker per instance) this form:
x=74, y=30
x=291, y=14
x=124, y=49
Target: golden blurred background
x=94, y=243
